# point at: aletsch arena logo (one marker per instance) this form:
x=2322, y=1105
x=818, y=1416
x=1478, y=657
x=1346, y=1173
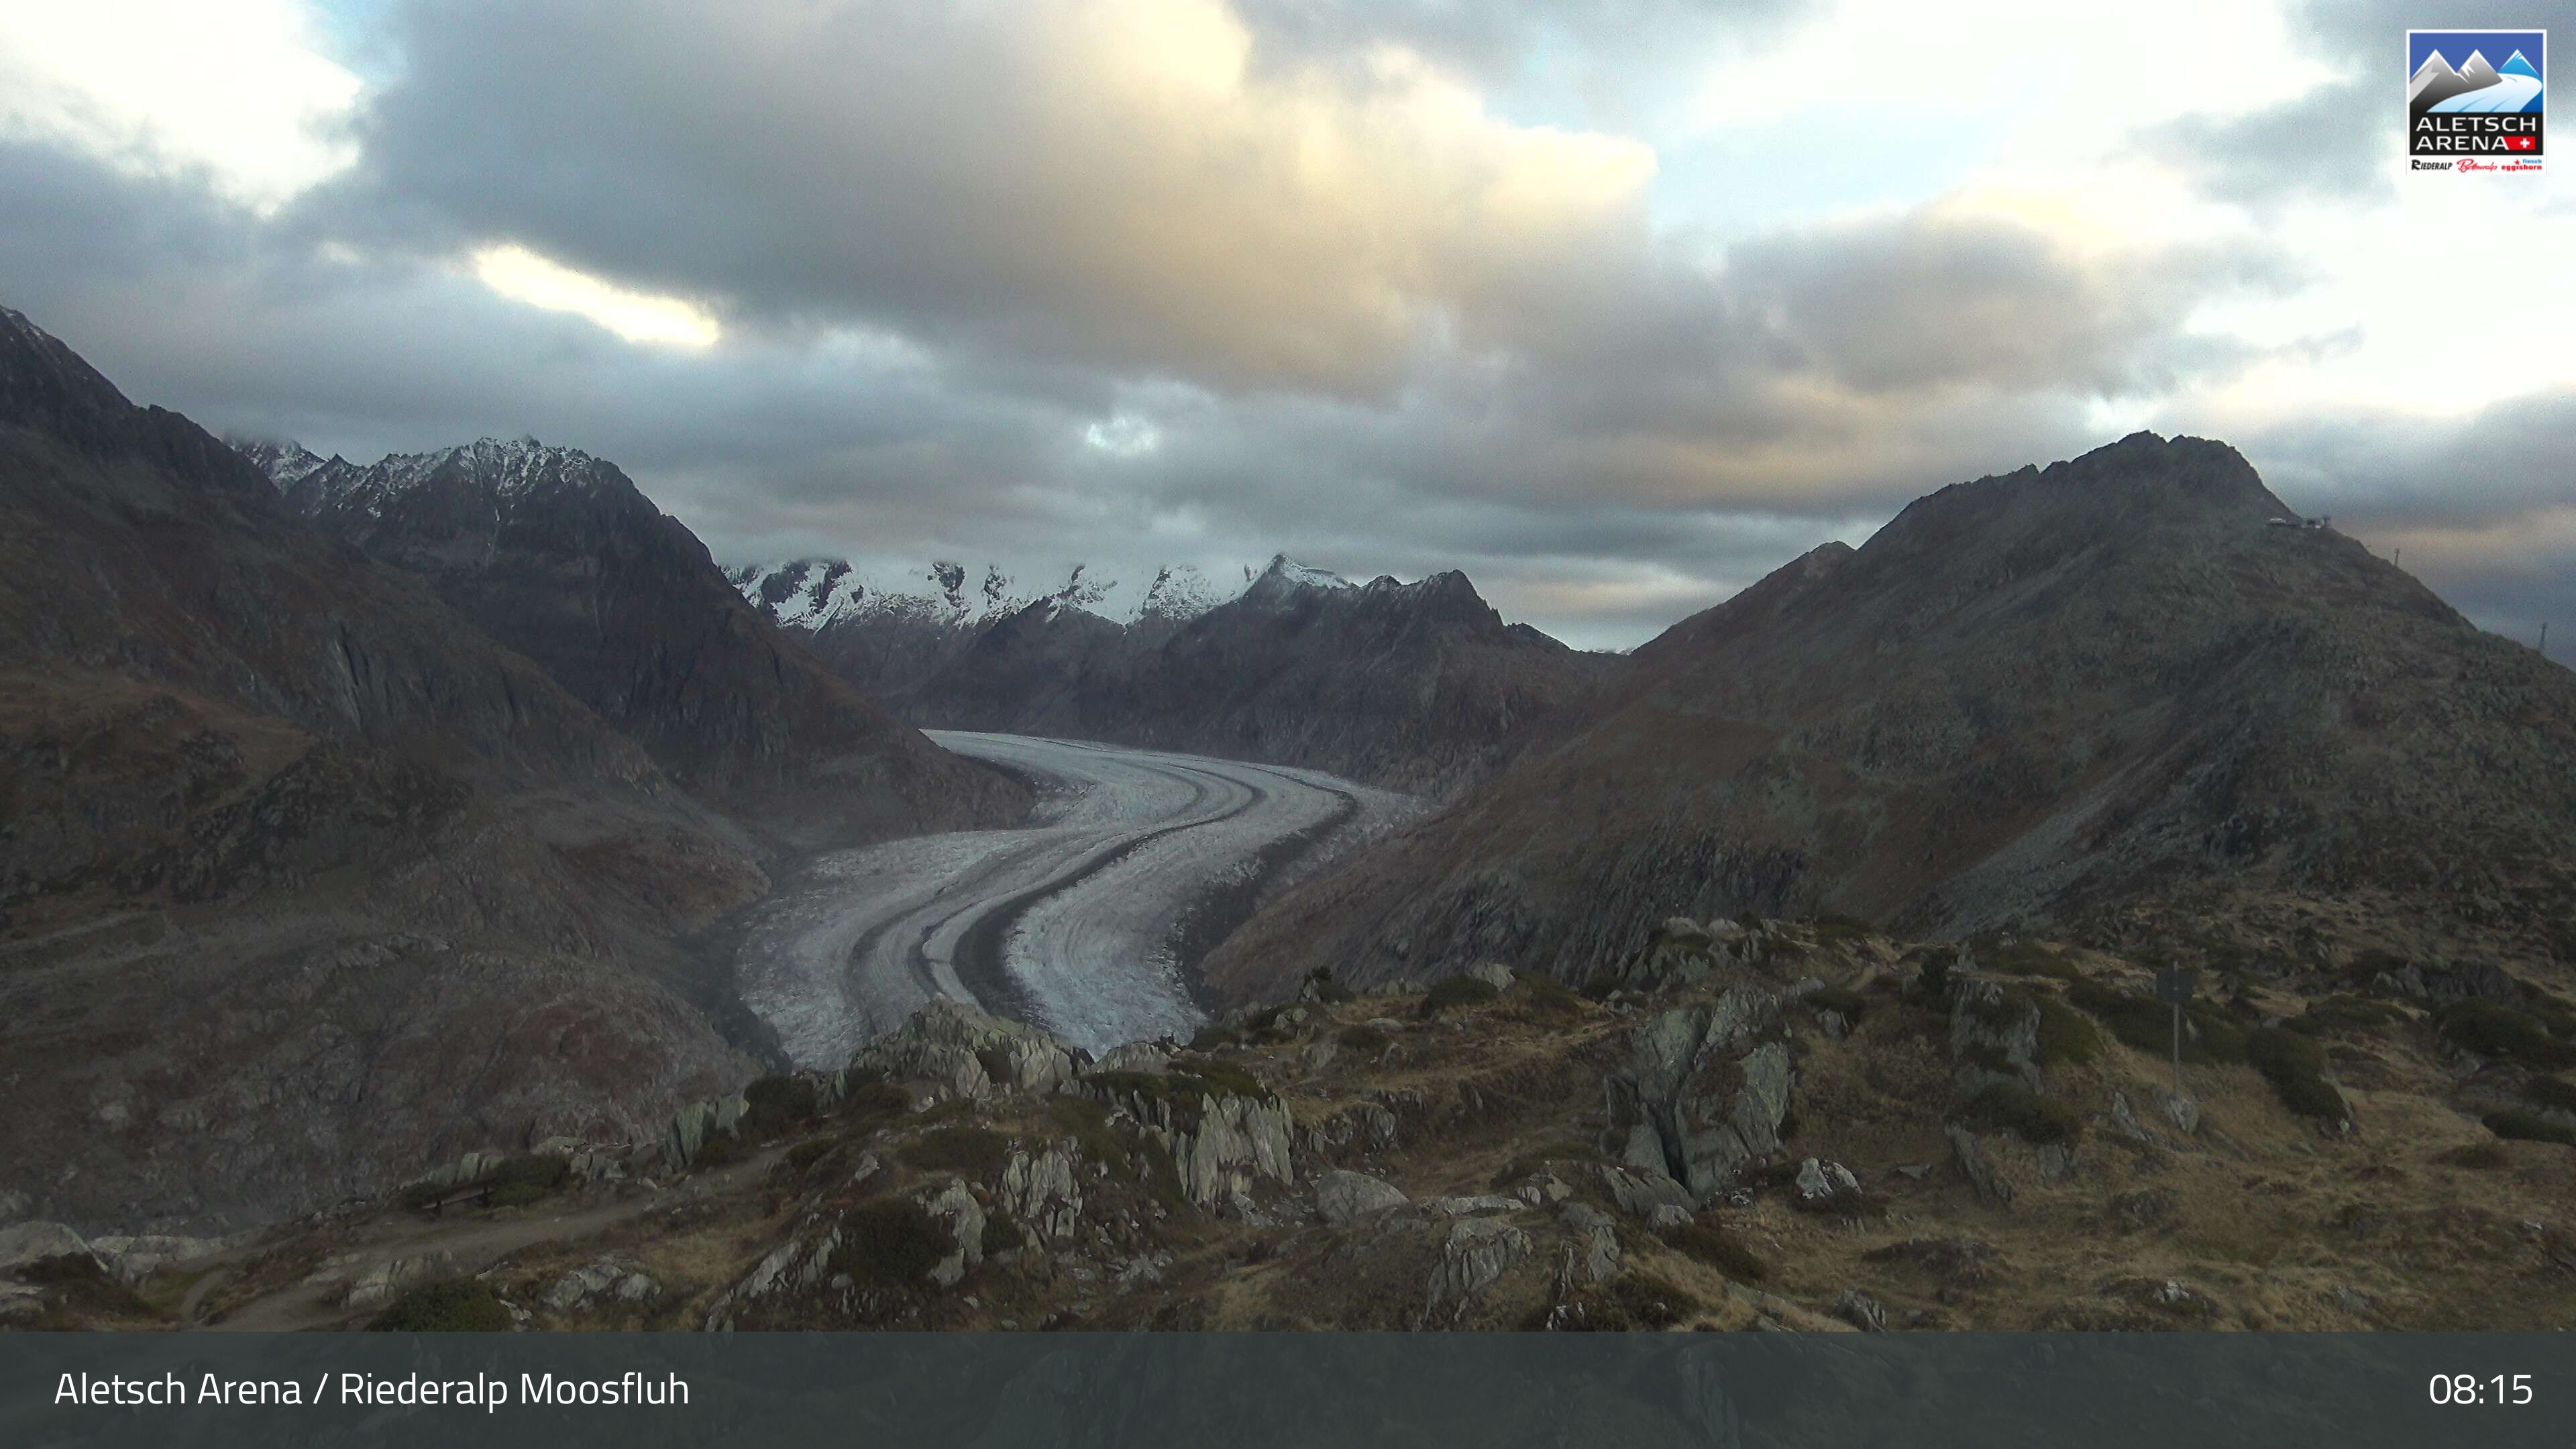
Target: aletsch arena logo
x=2474, y=99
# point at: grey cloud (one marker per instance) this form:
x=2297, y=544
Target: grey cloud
x=2404, y=471
x=1927, y=301
x=2483, y=507
x=2335, y=142
x=1604, y=426
x=2340, y=141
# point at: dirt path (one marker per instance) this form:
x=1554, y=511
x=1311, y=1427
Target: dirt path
x=471, y=1245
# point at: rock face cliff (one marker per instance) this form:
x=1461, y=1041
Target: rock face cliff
x=2107, y=694
x=559, y=556
x=303, y=873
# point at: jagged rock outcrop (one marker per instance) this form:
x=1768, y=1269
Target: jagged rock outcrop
x=1697, y=1100
x=1044, y=1192
x=966, y=1052
x=1474, y=1256
x=1222, y=1142
x=1342, y=1197
x=606, y=1281
x=1994, y=1037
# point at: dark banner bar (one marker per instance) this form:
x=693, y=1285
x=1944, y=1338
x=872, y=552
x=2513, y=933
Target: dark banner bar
x=1329, y=1391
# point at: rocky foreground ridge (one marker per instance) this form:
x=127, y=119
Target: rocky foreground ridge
x=1757, y=1124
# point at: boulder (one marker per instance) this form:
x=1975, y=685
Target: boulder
x=1493, y=973
x=1692, y=1100
x=965, y=1052
x=1639, y=1194
x=1136, y=1056
x=2183, y=1112
x=690, y=1128
x=1994, y=1037
x=956, y=1207
x=2124, y=1120
x=1042, y=1193
x=1222, y=1141
x=1476, y=1254
x=601, y=1282
x=1860, y=1311
x=1597, y=1237
x=1990, y=1184
x=380, y=1284
x=1368, y=1127
x=1667, y=1218
x=1343, y=1197
x=1827, y=1187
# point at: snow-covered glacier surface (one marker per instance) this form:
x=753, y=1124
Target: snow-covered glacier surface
x=1088, y=921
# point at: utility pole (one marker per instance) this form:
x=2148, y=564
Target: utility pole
x=2544, y=638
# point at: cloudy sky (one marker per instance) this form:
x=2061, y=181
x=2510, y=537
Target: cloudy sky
x=1614, y=305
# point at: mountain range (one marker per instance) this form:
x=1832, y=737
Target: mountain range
x=1419, y=686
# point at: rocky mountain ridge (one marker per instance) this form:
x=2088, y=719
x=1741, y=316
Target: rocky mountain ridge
x=2105, y=696
x=560, y=557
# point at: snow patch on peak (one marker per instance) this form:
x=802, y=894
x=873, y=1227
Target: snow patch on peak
x=1177, y=595
x=518, y=466
x=1288, y=570
x=807, y=593
x=285, y=461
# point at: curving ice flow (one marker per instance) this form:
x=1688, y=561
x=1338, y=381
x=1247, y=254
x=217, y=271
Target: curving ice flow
x=1089, y=921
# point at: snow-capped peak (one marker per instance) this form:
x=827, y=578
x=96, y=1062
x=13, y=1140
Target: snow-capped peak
x=2519, y=65
x=519, y=465
x=516, y=469
x=285, y=461
x=807, y=593
x=1287, y=569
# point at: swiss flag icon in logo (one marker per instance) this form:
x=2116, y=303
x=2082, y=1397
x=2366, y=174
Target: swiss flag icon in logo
x=2520, y=143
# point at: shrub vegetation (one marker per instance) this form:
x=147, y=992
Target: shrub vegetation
x=1456, y=991
x=453, y=1305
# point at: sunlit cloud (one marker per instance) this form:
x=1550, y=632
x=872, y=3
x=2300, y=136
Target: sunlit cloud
x=523, y=276
x=238, y=88
x=1124, y=436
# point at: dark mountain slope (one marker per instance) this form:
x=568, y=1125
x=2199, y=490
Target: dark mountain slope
x=557, y=555
x=2106, y=694
x=304, y=880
